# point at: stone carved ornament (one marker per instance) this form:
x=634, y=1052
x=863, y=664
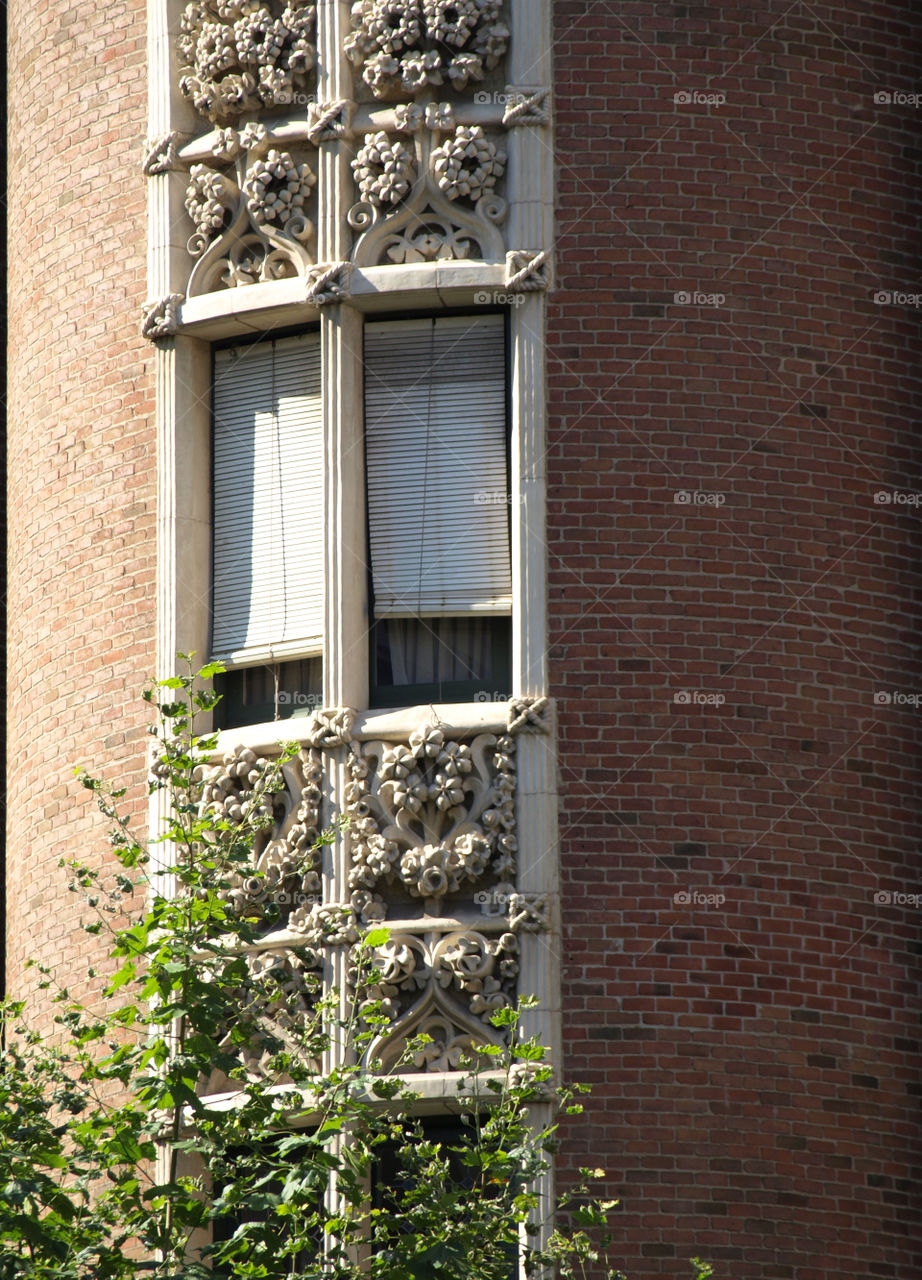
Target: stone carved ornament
x=249, y=212
x=431, y=197
x=444, y=987
x=403, y=46
x=431, y=818
x=241, y=56
x=283, y=886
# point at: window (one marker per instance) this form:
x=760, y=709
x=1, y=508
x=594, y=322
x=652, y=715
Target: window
x=436, y=443
x=267, y=549
x=437, y=499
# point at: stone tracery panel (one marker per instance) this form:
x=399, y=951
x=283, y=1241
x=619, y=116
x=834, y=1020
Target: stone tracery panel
x=431, y=815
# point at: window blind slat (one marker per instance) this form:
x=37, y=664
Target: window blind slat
x=268, y=498
x=435, y=429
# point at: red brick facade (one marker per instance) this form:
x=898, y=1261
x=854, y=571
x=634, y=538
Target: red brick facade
x=714, y=533
x=754, y=1061
x=82, y=464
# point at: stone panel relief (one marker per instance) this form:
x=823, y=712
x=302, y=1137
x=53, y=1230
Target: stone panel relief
x=423, y=130
x=431, y=822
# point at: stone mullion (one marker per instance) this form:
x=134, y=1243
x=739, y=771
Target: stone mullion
x=530, y=231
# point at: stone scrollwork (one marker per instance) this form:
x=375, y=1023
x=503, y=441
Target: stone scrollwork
x=249, y=215
x=403, y=46
x=281, y=883
x=432, y=817
x=240, y=56
x=444, y=987
x=278, y=1003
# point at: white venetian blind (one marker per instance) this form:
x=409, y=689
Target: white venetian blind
x=268, y=500
x=435, y=432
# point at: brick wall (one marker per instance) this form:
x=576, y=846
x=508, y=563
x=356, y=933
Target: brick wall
x=81, y=453
x=715, y=535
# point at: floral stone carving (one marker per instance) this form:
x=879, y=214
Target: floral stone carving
x=414, y=202
x=403, y=46
x=445, y=988
x=239, y=56
x=250, y=215
x=282, y=800
x=433, y=817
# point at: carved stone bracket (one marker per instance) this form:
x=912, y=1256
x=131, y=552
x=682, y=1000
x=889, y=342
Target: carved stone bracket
x=163, y=154
x=331, y=727
x=328, y=282
x=529, y=714
x=529, y=913
x=330, y=121
x=527, y=270
x=527, y=107
x=160, y=318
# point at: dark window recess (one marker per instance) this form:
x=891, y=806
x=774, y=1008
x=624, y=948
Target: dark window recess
x=440, y=660
x=389, y=1179
x=252, y=695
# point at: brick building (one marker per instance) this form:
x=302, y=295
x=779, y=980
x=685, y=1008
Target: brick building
x=646, y=278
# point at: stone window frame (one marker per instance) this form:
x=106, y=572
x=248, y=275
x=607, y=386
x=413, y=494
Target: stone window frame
x=338, y=297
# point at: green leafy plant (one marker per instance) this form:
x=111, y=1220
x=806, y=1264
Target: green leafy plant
x=200, y=1124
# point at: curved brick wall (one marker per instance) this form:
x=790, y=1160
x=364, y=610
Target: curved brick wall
x=81, y=452
x=754, y=1061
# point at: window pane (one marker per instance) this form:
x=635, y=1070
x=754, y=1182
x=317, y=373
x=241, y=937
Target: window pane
x=440, y=660
x=280, y=691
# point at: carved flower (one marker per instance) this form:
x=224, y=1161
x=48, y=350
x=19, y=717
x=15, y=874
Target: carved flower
x=210, y=198
x=380, y=72
x=384, y=170
x=276, y=189
x=463, y=68
x=447, y=791
x=440, y=115
x=410, y=794
x=408, y=117
x=238, y=55
x=419, y=69
x=455, y=758
x=393, y=25
x=414, y=43
x=426, y=743
x=468, y=164
x=398, y=763
x=451, y=21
